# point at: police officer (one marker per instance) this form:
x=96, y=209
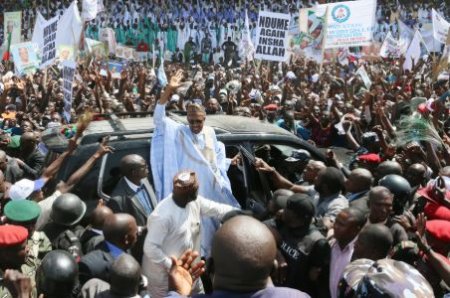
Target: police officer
x=58, y=275
x=303, y=248
x=64, y=229
x=401, y=189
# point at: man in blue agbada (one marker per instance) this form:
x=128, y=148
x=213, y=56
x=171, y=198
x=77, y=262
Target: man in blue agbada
x=177, y=147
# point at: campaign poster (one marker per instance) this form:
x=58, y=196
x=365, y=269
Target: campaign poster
x=272, y=36
x=25, y=58
x=12, y=24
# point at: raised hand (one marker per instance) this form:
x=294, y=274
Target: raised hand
x=175, y=80
x=104, y=148
x=174, y=84
x=184, y=272
x=421, y=238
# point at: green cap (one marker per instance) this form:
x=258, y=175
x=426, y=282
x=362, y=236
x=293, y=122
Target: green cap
x=22, y=211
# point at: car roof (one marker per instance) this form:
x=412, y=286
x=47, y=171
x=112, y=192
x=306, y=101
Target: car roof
x=221, y=123
x=237, y=124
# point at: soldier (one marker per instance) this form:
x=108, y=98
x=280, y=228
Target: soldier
x=25, y=213
x=13, y=252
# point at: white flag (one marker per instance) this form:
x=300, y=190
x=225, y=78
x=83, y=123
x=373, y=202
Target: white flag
x=416, y=50
x=342, y=56
x=406, y=34
x=364, y=76
x=390, y=47
x=161, y=73
x=246, y=47
x=70, y=27
x=90, y=9
x=427, y=33
x=440, y=27
x=38, y=32
x=100, y=6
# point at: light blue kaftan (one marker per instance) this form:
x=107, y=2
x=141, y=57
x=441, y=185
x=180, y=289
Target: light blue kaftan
x=173, y=150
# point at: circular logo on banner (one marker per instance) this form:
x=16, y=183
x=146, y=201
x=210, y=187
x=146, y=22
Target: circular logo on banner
x=340, y=13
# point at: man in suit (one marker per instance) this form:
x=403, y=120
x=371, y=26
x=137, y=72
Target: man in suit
x=120, y=232
x=133, y=194
x=358, y=185
x=93, y=234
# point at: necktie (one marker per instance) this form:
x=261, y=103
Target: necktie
x=142, y=195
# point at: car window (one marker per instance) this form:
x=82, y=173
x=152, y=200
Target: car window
x=275, y=154
x=111, y=173
x=87, y=187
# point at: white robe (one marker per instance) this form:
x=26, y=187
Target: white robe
x=174, y=148
x=171, y=231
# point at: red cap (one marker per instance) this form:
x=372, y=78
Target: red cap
x=422, y=108
x=11, y=235
x=436, y=211
x=370, y=158
x=429, y=193
x=439, y=229
x=271, y=107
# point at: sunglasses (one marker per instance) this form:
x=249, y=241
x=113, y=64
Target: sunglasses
x=192, y=121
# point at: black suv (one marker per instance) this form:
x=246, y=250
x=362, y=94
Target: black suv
x=131, y=134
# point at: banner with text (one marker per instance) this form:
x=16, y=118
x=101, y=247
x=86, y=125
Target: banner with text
x=440, y=27
x=349, y=23
x=68, y=74
x=12, y=22
x=49, y=49
x=272, y=36
x=390, y=47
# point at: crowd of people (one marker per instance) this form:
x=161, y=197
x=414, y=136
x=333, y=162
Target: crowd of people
x=199, y=30
x=377, y=225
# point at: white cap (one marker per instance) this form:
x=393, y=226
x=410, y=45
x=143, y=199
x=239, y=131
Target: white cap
x=184, y=176
x=290, y=75
x=315, y=77
x=22, y=189
x=175, y=98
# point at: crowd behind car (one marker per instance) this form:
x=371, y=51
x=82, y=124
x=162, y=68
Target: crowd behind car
x=379, y=224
